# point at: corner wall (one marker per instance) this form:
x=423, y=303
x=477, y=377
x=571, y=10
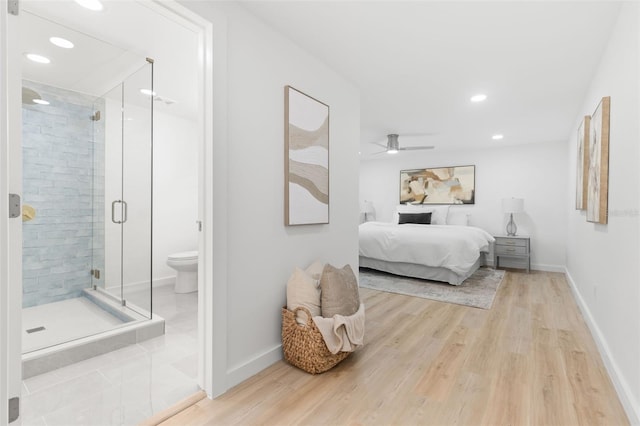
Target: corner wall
x=602, y=260
x=261, y=251
x=535, y=172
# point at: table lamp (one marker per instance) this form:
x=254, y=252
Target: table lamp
x=511, y=206
x=367, y=209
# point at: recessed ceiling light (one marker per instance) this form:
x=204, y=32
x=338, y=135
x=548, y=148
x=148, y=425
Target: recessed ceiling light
x=497, y=137
x=40, y=102
x=94, y=5
x=147, y=92
x=38, y=58
x=61, y=42
x=479, y=97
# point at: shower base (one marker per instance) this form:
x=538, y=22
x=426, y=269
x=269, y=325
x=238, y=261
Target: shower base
x=106, y=325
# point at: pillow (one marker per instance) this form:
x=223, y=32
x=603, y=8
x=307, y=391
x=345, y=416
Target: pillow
x=420, y=218
x=339, y=291
x=438, y=213
x=302, y=290
x=404, y=208
x=458, y=218
x=315, y=270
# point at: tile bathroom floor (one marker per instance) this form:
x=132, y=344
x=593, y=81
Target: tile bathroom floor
x=125, y=386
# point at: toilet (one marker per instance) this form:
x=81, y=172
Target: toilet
x=186, y=265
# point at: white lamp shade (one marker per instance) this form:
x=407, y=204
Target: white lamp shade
x=367, y=207
x=512, y=205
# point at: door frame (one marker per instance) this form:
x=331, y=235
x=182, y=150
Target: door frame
x=212, y=169
x=10, y=229
x=212, y=283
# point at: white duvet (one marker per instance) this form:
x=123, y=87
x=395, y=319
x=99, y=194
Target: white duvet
x=455, y=248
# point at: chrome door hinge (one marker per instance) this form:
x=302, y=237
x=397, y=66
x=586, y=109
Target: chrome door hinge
x=14, y=409
x=13, y=6
x=14, y=206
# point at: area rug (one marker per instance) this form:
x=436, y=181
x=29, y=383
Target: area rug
x=477, y=291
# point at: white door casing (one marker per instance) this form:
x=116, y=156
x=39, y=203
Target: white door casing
x=212, y=181
x=212, y=266
x=10, y=228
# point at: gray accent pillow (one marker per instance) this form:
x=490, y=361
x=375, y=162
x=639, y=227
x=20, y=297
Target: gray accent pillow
x=339, y=291
x=419, y=218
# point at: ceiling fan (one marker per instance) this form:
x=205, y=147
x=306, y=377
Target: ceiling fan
x=393, y=146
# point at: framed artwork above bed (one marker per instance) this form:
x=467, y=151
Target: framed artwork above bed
x=442, y=185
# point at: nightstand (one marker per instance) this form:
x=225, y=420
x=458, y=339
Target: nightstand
x=517, y=246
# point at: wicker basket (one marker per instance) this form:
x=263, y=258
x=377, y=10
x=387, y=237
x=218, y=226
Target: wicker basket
x=303, y=345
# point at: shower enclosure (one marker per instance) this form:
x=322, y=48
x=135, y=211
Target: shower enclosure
x=123, y=191
x=87, y=219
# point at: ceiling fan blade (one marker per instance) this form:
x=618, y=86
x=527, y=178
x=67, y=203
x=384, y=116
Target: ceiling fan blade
x=383, y=145
x=415, y=148
x=379, y=152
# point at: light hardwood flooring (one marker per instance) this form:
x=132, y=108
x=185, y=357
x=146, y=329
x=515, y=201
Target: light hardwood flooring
x=530, y=360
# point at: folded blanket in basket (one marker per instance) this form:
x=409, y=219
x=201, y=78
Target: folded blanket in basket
x=340, y=333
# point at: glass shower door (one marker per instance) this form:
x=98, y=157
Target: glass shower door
x=137, y=190
x=127, y=201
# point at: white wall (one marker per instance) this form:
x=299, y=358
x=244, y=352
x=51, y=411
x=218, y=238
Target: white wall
x=535, y=172
x=261, y=251
x=133, y=238
x=175, y=191
x=603, y=260
x=175, y=199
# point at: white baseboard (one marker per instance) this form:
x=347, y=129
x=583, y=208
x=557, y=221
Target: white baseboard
x=508, y=263
x=139, y=286
x=250, y=368
x=622, y=387
x=159, y=282
x=534, y=266
x=548, y=268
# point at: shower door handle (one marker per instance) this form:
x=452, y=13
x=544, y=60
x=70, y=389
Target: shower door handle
x=124, y=211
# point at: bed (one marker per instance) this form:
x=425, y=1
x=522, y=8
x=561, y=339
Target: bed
x=441, y=252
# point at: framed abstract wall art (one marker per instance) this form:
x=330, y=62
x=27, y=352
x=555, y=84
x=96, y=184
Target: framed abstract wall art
x=598, y=177
x=306, y=159
x=582, y=164
x=443, y=185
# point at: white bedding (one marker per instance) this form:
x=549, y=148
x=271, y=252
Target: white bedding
x=456, y=248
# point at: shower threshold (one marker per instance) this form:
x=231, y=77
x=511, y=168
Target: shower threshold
x=121, y=326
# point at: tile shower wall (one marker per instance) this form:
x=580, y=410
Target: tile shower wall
x=63, y=170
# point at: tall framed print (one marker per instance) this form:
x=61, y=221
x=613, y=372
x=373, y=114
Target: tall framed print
x=306, y=159
x=598, y=179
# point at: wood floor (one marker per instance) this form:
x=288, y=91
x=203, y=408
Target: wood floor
x=530, y=360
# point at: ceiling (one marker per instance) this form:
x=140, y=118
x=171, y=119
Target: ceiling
x=417, y=64
x=109, y=46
